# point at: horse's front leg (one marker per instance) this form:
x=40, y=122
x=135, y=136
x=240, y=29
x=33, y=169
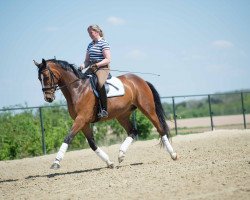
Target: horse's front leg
x=99, y=152
x=76, y=127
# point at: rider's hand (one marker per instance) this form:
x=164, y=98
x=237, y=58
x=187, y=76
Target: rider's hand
x=94, y=68
x=82, y=66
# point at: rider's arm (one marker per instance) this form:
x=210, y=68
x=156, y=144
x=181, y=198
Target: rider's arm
x=107, y=58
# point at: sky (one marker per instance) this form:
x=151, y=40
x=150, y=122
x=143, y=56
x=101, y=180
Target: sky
x=196, y=46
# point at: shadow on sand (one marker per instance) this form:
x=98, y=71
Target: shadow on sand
x=79, y=171
x=67, y=173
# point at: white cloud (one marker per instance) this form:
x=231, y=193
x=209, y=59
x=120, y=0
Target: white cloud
x=222, y=44
x=115, y=20
x=136, y=54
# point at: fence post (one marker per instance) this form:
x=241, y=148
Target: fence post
x=175, y=122
x=210, y=112
x=42, y=128
x=243, y=109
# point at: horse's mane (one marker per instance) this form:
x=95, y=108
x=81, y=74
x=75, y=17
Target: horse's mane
x=67, y=66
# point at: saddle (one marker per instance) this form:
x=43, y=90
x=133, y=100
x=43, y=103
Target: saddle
x=113, y=86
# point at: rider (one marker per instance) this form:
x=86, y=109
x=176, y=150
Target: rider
x=98, y=58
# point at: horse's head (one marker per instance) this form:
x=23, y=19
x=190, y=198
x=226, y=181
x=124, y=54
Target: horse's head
x=48, y=80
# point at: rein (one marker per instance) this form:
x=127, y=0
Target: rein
x=66, y=85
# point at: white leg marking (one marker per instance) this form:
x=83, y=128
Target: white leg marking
x=127, y=142
x=124, y=147
x=59, y=156
x=61, y=152
x=169, y=147
x=100, y=153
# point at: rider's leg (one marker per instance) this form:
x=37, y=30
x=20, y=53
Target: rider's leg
x=103, y=101
x=102, y=76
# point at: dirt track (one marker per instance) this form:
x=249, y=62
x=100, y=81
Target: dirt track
x=212, y=165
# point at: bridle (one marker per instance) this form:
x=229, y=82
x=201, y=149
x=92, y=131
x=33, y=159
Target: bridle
x=52, y=77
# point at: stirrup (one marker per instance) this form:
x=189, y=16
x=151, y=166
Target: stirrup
x=102, y=114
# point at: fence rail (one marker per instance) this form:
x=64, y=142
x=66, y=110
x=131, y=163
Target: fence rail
x=173, y=98
x=209, y=106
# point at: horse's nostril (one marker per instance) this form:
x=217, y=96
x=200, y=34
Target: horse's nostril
x=50, y=100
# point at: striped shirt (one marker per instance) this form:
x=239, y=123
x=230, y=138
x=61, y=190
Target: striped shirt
x=95, y=50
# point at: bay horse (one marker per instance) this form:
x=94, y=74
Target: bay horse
x=82, y=106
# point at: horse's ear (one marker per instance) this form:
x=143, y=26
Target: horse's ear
x=44, y=62
x=36, y=63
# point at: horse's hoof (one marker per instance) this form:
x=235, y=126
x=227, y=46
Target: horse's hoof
x=55, y=166
x=120, y=159
x=121, y=156
x=174, y=156
x=110, y=165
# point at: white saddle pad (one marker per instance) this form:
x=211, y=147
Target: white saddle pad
x=116, y=87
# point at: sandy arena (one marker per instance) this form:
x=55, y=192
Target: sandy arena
x=211, y=165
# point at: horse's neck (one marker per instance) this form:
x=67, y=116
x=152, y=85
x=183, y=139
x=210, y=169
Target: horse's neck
x=71, y=86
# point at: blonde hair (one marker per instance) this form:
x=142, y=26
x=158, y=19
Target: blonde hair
x=97, y=29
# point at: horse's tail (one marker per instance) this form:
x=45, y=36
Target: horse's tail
x=159, y=110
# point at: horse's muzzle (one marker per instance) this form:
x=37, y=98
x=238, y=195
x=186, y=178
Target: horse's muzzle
x=49, y=97
x=49, y=100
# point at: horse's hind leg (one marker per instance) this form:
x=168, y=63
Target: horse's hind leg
x=132, y=133
x=148, y=109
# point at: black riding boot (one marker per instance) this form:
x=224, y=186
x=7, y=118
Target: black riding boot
x=103, y=101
